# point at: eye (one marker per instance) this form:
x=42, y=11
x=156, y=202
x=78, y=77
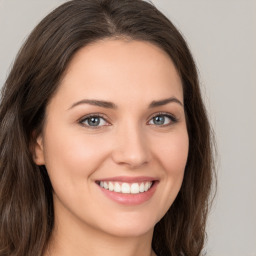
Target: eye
x=163, y=120
x=94, y=121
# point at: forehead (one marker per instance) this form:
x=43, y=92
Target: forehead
x=118, y=69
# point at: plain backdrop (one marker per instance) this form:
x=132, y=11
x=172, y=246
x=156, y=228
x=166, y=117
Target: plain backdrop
x=222, y=37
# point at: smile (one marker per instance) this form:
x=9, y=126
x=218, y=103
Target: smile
x=126, y=188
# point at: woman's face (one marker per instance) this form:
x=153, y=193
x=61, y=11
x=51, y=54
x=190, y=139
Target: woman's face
x=115, y=141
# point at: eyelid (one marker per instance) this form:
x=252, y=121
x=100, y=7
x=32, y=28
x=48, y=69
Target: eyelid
x=173, y=118
x=81, y=120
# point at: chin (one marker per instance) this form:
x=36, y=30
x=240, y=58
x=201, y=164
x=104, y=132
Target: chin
x=131, y=225
x=131, y=231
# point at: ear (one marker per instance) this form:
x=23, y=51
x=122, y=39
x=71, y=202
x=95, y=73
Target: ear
x=38, y=151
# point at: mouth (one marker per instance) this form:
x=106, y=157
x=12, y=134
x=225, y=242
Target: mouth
x=128, y=190
x=125, y=187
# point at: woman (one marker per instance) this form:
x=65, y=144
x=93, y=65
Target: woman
x=105, y=142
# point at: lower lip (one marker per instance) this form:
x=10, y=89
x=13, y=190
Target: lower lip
x=130, y=199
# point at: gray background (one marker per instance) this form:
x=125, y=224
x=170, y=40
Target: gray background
x=222, y=37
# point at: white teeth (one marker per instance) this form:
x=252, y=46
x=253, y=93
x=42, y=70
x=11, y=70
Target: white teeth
x=147, y=185
x=135, y=189
x=105, y=185
x=126, y=188
x=117, y=187
x=110, y=186
x=142, y=187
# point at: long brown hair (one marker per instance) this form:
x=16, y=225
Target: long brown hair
x=26, y=205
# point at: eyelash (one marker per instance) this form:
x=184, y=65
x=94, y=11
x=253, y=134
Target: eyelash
x=96, y=115
x=172, y=118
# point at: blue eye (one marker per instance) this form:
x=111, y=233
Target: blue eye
x=162, y=120
x=94, y=121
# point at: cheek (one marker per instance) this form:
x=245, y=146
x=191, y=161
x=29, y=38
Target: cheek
x=69, y=156
x=173, y=153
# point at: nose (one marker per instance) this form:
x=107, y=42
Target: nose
x=131, y=147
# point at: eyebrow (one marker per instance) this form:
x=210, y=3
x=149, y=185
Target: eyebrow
x=99, y=103
x=111, y=105
x=159, y=103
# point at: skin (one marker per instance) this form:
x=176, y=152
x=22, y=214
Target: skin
x=127, y=142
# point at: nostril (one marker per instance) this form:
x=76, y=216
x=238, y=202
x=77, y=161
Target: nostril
x=130, y=159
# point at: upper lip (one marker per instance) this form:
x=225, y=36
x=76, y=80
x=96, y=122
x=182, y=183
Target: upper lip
x=128, y=179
